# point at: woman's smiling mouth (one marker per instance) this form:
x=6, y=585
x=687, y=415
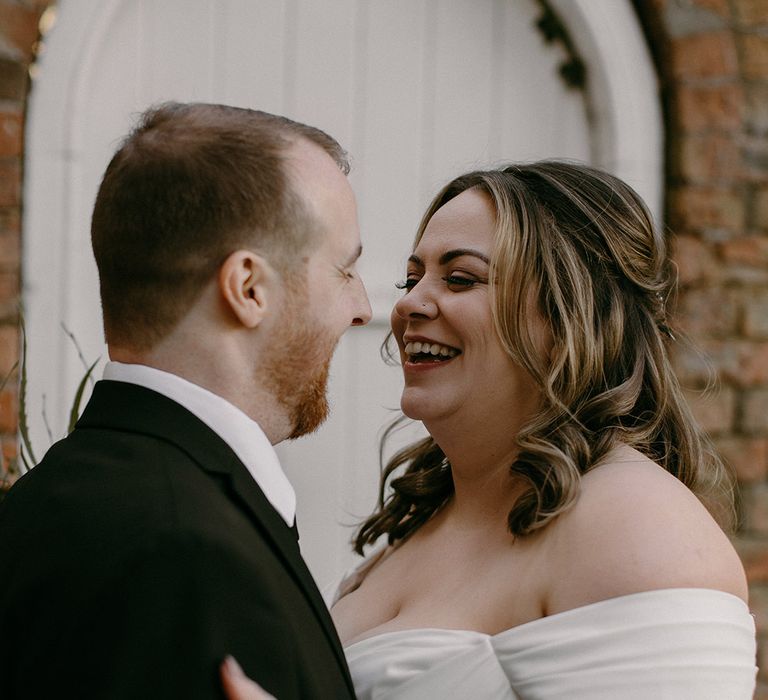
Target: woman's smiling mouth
x=424, y=352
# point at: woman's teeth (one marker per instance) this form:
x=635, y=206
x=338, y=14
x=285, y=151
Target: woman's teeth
x=417, y=348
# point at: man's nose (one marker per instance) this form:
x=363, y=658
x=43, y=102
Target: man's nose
x=363, y=312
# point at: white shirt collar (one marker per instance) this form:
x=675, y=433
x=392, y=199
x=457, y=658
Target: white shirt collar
x=243, y=435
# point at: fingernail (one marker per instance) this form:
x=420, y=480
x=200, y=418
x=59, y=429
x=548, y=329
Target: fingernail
x=232, y=666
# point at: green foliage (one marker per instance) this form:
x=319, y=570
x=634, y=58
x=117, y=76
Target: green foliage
x=572, y=70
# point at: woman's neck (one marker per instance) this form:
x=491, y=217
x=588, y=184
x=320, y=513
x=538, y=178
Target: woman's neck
x=480, y=456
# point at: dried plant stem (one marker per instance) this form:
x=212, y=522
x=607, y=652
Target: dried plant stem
x=26, y=443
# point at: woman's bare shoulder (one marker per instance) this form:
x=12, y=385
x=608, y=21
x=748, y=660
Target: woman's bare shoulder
x=635, y=527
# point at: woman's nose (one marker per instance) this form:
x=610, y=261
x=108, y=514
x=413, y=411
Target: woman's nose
x=418, y=302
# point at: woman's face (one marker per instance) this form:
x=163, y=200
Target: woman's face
x=452, y=358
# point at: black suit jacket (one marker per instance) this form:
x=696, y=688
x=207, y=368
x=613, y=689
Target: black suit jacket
x=139, y=553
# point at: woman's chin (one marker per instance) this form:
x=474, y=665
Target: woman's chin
x=414, y=409
x=420, y=408
x=411, y=413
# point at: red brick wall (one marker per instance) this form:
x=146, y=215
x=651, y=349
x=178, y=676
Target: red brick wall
x=18, y=39
x=712, y=58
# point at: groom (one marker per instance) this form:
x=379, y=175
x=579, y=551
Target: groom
x=159, y=536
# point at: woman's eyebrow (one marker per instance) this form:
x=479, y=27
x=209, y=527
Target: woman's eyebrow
x=451, y=254
x=459, y=252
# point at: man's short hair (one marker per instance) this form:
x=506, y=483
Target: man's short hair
x=188, y=186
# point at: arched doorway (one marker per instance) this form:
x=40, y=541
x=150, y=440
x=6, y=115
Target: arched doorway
x=416, y=90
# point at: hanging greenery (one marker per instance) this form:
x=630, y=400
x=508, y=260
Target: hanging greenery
x=572, y=70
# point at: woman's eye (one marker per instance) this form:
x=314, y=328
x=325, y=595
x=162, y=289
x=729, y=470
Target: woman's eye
x=407, y=284
x=457, y=283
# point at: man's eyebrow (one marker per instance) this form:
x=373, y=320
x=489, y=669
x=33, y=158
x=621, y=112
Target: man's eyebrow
x=452, y=254
x=353, y=258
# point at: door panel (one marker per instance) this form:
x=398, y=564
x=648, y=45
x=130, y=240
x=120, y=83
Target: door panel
x=416, y=90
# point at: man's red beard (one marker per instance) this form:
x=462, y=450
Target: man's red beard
x=297, y=369
x=311, y=405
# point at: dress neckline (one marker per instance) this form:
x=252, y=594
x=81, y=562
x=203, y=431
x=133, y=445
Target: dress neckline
x=555, y=618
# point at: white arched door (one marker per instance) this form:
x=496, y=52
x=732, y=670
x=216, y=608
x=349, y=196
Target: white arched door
x=416, y=90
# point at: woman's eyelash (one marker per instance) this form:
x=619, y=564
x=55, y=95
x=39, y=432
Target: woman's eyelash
x=451, y=280
x=459, y=281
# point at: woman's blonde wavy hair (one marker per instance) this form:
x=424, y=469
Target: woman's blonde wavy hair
x=583, y=242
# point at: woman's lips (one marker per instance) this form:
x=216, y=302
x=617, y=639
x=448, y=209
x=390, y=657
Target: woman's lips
x=422, y=354
x=422, y=363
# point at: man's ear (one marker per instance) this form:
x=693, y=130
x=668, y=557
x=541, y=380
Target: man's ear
x=245, y=281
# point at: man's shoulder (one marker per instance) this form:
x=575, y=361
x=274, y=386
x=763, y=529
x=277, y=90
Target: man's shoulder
x=99, y=516
x=113, y=481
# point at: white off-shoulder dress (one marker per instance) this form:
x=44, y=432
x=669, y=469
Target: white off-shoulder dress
x=676, y=644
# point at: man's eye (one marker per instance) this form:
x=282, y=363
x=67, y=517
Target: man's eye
x=456, y=283
x=407, y=284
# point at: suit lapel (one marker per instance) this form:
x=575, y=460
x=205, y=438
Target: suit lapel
x=132, y=408
x=287, y=547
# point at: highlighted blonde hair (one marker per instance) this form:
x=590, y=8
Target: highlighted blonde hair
x=582, y=243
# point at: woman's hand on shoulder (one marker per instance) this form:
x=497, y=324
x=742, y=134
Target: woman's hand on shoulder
x=636, y=528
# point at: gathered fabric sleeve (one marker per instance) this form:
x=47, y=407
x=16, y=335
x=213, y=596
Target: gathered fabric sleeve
x=674, y=644
x=681, y=644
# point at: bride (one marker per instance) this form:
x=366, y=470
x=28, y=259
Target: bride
x=556, y=535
